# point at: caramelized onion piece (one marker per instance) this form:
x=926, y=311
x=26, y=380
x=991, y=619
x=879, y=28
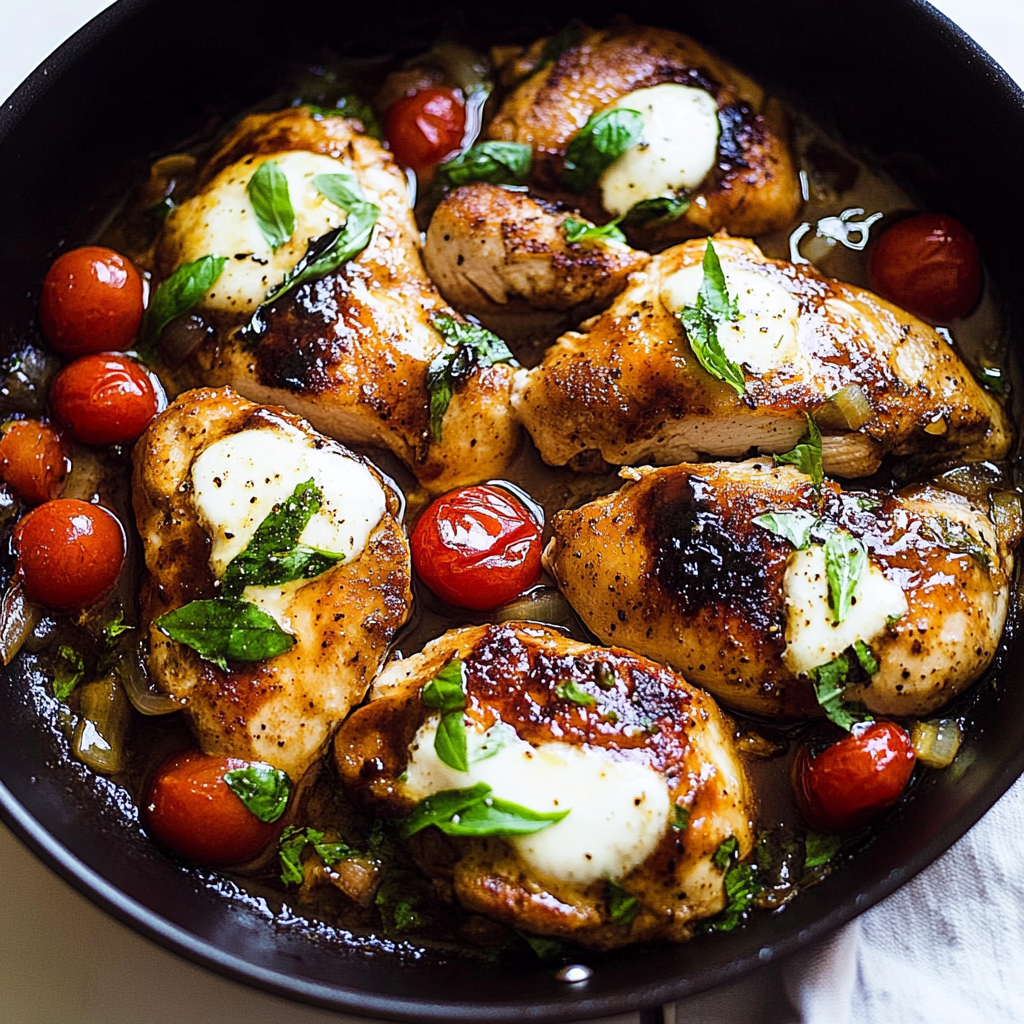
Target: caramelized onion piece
x=1006, y=514
x=847, y=409
x=543, y=604
x=131, y=673
x=936, y=742
x=104, y=716
x=18, y=617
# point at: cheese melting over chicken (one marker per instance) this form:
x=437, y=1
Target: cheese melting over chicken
x=764, y=338
x=812, y=638
x=678, y=146
x=618, y=809
x=220, y=221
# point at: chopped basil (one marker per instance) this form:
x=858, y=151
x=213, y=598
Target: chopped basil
x=742, y=887
x=571, y=690
x=728, y=850
x=819, y=849
x=866, y=503
x=293, y=842
x=111, y=652
x=474, y=812
x=497, y=163
x=846, y=558
x=226, y=629
x=68, y=672
x=958, y=539
x=177, y=295
x=543, y=948
x=866, y=657
x=272, y=204
x=263, y=788
x=806, y=456
x=701, y=320
x=622, y=907
x=274, y=555
x=446, y=692
x=467, y=347
x=660, y=210
x=442, y=806
x=581, y=231
x=598, y=144
x=794, y=526
x=113, y=629
x=398, y=901
x=829, y=686
x=681, y=818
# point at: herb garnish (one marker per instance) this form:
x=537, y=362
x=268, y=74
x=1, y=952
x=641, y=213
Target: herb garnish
x=68, y=672
x=177, y=295
x=571, y=690
x=622, y=907
x=474, y=812
x=598, y=144
x=846, y=559
x=659, y=210
x=829, y=686
x=543, y=948
x=294, y=840
x=806, y=456
x=866, y=657
x=819, y=848
x=564, y=39
x=272, y=204
x=958, y=538
x=581, y=231
x=263, y=788
x=681, y=818
x=742, y=886
x=794, y=526
x=497, y=163
x=446, y=693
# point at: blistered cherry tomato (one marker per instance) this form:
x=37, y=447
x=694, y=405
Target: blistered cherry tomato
x=477, y=547
x=69, y=552
x=426, y=127
x=192, y=810
x=927, y=264
x=91, y=301
x=848, y=783
x=32, y=461
x=104, y=399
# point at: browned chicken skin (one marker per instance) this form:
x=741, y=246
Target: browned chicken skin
x=641, y=714
x=673, y=566
x=631, y=390
x=281, y=710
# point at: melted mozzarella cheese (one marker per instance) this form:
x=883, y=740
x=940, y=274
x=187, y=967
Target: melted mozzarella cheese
x=765, y=336
x=678, y=146
x=238, y=480
x=220, y=221
x=618, y=809
x=812, y=638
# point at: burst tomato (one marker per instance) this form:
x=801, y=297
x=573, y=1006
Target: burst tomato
x=32, y=461
x=477, y=547
x=848, y=783
x=426, y=127
x=91, y=301
x=69, y=552
x=193, y=811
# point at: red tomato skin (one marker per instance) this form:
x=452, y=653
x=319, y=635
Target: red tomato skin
x=104, y=399
x=477, y=547
x=91, y=301
x=70, y=553
x=192, y=811
x=929, y=265
x=848, y=783
x=427, y=127
x=33, y=462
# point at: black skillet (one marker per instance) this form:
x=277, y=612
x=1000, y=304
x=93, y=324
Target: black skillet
x=891, y=76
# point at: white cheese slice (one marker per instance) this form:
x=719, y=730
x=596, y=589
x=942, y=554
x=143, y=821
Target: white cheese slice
x=220, y=221
x=765, y=336
x=238, y=480
x=618, y=809
x=678, y=146
x=812, y=638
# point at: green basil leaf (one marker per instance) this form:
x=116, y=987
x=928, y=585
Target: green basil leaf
x=289, y=850
x=866, y=503
x=581, y=231
x=958, y=539
x=272, y=204
x=564, y=39
x=806, y=456
x=113, y=629
x=350, y=105
x=846, y=558
x=486, y=745
x=332, y=853
x=829, y=686
x=866, y=657
x=502, y=818
x=742, y=887
x=497, y=163
x=447, y=690
x=342, y=188
x=659, y=210
x=819, y=849
x=598, y=144
x=226, y=629
x=681, y=818
x=68, y=672
x=727, y=852
x=398, y=901
x=714, y=294
x=794, y=526
x=178, y=294
x=442, y=806
x=621, y=906
x=450, y=741
x=263, y=788
x=571, y=690
x=543, y=948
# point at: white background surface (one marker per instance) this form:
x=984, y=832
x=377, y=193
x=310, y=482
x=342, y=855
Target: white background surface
x=61, y=959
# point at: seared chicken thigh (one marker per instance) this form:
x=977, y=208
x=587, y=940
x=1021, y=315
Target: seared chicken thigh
x=634, y=769
x=208, y=471
x=709, y=134
x=349, y=351
x=631, y=388
x=726, y=572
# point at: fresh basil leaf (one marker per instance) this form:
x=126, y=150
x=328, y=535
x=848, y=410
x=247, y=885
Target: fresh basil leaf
x=488, y=347
x=829, y=686
x=742, y=887
x=681, y=818
x=564, y=39
x=543, y=948
x=958, y=538
x=272, y=204
x=846, y=558
x=332, y=853
x=263, y=788
x=571, y=690
x=819, y=849
x=177, y=295
x=806, y=456
x=598, y=144
x=659, y=210
x=289, y=850
x=501, y=818
x=113, y=629
x=713, y=290
x=226, y=629
x=794, y=526
x=450, y=741
x=350, y=105
x=866, y=657
x=112, y=650
x=447, y=690
x=442, y=806
x=68, y=672
x=727, y=852
x=497, y=163
x=486, y=745
x=622, y=907
x=581, y=231
x=342, y=188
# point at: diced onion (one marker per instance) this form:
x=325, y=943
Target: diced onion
x=131, y=673
x=936, y=742
x=18, y=617
x=1006, y=514
x=544, y=604
x=104, y=715
x=847, y=409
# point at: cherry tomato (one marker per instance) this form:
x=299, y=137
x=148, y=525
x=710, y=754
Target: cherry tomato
x=32, y=461
x=192, y=810
x=851, y=781
x=91, y=301
x=929, y=265
x=104, y=399
x=426, y=127
x=477, y=547
x=69, y=552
